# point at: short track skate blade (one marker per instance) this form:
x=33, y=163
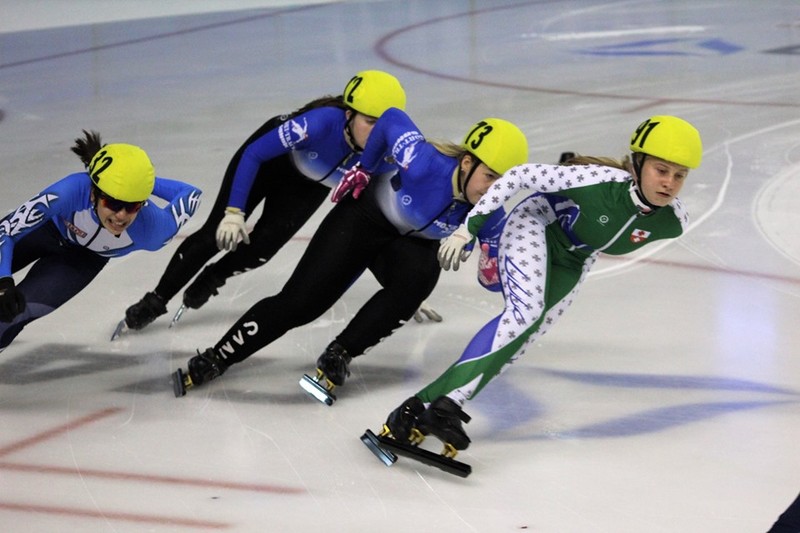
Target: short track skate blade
x=121, y=328
x=451, y=466
x=317, y=391
x=178, y=383
x=178, y=315
x=371, y=441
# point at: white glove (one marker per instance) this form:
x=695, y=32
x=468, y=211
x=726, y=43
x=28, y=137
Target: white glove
x=230, y=228
x=451, y=250
x=426, y=311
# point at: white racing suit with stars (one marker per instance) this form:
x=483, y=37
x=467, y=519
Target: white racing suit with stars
x=546, y=246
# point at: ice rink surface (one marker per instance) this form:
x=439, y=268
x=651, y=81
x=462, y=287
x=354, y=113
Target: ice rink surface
x=666, y=400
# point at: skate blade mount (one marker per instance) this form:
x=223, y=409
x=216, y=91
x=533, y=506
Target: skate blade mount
x=316, y=390
x=386, y=447
x=178, y=315
x=371, y=441
x=121, y=328
x=181, y=383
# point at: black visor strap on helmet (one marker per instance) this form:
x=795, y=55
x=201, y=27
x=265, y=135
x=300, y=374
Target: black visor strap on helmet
x=638, y=162
x=462, y=189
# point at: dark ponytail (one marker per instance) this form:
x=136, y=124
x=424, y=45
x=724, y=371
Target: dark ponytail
x=86, y=148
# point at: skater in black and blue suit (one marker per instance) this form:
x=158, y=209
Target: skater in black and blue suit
x=289, y=165
x=391, y=226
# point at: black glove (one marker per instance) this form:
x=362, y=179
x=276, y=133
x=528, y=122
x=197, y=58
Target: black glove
x=12, y=301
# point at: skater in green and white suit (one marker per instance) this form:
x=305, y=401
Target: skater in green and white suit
x=545, y=247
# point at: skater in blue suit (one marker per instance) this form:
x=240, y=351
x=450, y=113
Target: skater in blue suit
x=69, y=231
x=391, y=227
x=288, y=165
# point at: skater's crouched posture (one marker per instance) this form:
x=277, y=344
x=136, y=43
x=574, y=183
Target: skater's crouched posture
x=545, y=249
x=68, y=232
x=289, y=165
x=391, y=225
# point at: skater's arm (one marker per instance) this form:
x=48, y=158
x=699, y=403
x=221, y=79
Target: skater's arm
x=155, y=226
x=59, y=199
x=394, y=131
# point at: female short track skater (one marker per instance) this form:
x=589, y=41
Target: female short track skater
x=546, y=246
x=69, y=231
x=393, y=229
x=290, y=163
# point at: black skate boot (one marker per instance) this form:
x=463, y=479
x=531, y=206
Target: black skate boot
x=406, y=427
x=402, y=422
x=142, y=313
x=332, y=364
x=443, y=420
x=203, y=367
x=331, y=372
x=202, y=288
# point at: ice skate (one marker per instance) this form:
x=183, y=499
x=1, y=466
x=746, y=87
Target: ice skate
x=203, y=367
x=331, y=372
x=403, y=433
x=203, y=287
x=443, y=420
x=121, y=328
x=141, y=314
x=145, y=311
x=401, y=424
x=178, y=315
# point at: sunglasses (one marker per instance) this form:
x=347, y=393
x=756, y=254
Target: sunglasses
x=118, y=205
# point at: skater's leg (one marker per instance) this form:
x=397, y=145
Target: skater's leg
x=197, y=249
x=287, y=207
x=61, y=271
x=537, y=289
x=336, y=255
x=408, y=271
x=789, y=521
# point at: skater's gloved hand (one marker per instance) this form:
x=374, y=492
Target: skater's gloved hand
x=426, y=311
x=230, y=229
x=12, y=301
x=488, y=273
x=451, y=250
x=356, y=180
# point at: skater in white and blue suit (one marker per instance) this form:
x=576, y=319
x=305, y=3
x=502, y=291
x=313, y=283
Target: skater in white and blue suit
x=69, y=231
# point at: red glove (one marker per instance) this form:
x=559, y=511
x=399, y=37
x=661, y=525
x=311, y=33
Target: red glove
x=356, y=180
x=488, y=274
x=12, y=301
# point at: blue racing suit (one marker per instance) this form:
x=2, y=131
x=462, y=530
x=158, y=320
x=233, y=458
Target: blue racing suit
x=392, y=229
x=59, y=232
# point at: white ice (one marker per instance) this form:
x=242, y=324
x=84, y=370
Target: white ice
x=665, y=401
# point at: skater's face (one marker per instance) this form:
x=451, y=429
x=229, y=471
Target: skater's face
x=360, y=127
x=114, y=215
x=479, y=182
x=661, y=181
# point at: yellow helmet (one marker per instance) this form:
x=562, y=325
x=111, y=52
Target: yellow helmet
x=371, y=92
x=123, y=171
x=669, y=138
x=499, y=144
